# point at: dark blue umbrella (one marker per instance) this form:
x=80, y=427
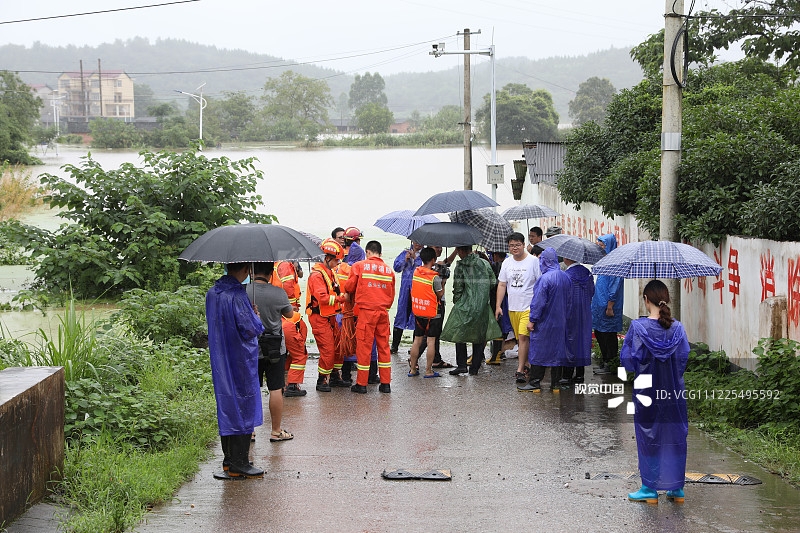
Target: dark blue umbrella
x=446, y=234
x=656, y=259
x=447, y=202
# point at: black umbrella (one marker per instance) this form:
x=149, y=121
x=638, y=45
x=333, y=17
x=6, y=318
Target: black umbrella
x=246, y=243
x=446, y=234
x=447, y=202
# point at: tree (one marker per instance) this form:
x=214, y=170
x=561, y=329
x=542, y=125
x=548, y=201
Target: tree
x=234, y=114
x=374, y=118
x=143, y=100
x=522, y=115
x=448, y=118
x=129, y=225
x=114, y=133
x=591, y=100
x=766, y=29
x=19, y=112
x=367, y=89
x=296, y=107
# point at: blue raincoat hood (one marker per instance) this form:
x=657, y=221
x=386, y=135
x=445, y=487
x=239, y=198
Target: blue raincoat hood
x=662, y=343
x=609, y=241
x=548, y=260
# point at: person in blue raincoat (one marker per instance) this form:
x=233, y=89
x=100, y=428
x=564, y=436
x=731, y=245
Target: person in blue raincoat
x=579, y=322
x=405, y=264
x=548, y=323
x=657, y=345
x=233, y=331
x=607, y=310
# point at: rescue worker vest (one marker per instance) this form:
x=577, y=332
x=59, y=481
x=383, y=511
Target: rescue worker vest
x=342, y=273
x=424, y=302
x=326, y=308
x=279, y=281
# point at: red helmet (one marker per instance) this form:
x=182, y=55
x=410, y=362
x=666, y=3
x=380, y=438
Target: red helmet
x=353, y=233
x=331, y=247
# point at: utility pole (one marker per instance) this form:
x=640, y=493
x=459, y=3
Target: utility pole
x=671, y=128
x=100, y=84
x=83, y=95
x=467, y=111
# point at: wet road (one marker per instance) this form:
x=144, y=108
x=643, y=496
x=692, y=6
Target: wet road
x=518, y=460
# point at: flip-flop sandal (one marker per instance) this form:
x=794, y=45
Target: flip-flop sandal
x=282, y=435
x=414, y=374
x=434, y=375
x=443, y=364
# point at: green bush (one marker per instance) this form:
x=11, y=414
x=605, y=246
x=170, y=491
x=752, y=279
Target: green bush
x=161, y=315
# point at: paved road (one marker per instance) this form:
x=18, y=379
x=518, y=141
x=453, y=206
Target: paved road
x=518, y=460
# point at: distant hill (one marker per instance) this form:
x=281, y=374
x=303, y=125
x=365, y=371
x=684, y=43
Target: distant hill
x=169, y=64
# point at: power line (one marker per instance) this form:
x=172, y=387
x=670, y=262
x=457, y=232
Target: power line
x=97, y=12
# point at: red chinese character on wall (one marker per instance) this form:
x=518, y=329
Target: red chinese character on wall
x=733, y=275
x=701, y=284
x=720, y=283
x=794, y=291
x=598, y=228
x=767, y=275
x=688, y=285
x=581, y=231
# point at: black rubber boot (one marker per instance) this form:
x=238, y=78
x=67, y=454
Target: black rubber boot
x=347, y=371
x=337, y=381
x=226, y=452
x=323, y=385
x=239, y=446
x=373, y=373
x=397, y=336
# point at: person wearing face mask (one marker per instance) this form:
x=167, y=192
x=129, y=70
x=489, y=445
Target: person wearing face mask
x=233, y=330
x=323, y=301
x=405, y=264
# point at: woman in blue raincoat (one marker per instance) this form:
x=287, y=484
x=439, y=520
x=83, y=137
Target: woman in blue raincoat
x=233, y=331
x=607, y=309
x=657, y=345
x=405, y=264
x=548, y=323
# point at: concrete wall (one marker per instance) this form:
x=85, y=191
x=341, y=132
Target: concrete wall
x=730, y=312
x=31, y=435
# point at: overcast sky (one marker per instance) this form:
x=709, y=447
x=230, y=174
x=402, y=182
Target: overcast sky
x=387, y=36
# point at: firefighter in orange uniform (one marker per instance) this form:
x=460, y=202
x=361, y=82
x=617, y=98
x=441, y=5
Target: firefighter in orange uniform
x=346, y=345
x=323, y=301
x=372, y=283
x=286, y=278
x=295, y=333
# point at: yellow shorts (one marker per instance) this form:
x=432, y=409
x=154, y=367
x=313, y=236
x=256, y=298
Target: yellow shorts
x=519, y=321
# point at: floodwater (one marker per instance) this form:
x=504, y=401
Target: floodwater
x=312, y=190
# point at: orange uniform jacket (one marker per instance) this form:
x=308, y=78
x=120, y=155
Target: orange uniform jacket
x=321, y=293
x=285, y=277
x=372, y=283
x=342, y=273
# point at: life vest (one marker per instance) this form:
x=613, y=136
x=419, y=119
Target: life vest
x=342, y=273
x=329, y=307
x=424, y=302
x=281, y=279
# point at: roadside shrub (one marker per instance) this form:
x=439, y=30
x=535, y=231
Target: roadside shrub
x=161, y=315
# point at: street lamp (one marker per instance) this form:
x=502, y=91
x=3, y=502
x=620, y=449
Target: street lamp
x=200, y=100
x=54, y=102
x=438, y=51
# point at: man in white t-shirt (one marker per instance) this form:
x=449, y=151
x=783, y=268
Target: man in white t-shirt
x=517, y=275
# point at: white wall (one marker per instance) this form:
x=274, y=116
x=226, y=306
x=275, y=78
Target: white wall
x=722, y=312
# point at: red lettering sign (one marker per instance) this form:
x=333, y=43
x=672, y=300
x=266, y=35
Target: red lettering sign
x=720, y=283
x=767, y=275
x=733, y=275
x=794, y=291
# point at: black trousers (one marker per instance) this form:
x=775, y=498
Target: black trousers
x=537, y=374
x=568, y=371
x=477, y=355
x=608, y=343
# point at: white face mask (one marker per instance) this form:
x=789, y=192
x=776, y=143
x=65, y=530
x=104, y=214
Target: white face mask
x=246, y=280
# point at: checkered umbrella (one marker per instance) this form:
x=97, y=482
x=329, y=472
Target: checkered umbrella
x=518, y=212
x=403, y=222
x=574, y=248
x=494, y=228
x=656, y=259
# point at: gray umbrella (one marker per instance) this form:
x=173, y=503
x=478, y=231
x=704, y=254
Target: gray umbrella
x=246, y=243
x=446, y=234
x=447, y=202
x=519, y=212
x=575, y=248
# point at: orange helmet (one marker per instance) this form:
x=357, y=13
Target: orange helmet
x=353, y=233
x=331, y=247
